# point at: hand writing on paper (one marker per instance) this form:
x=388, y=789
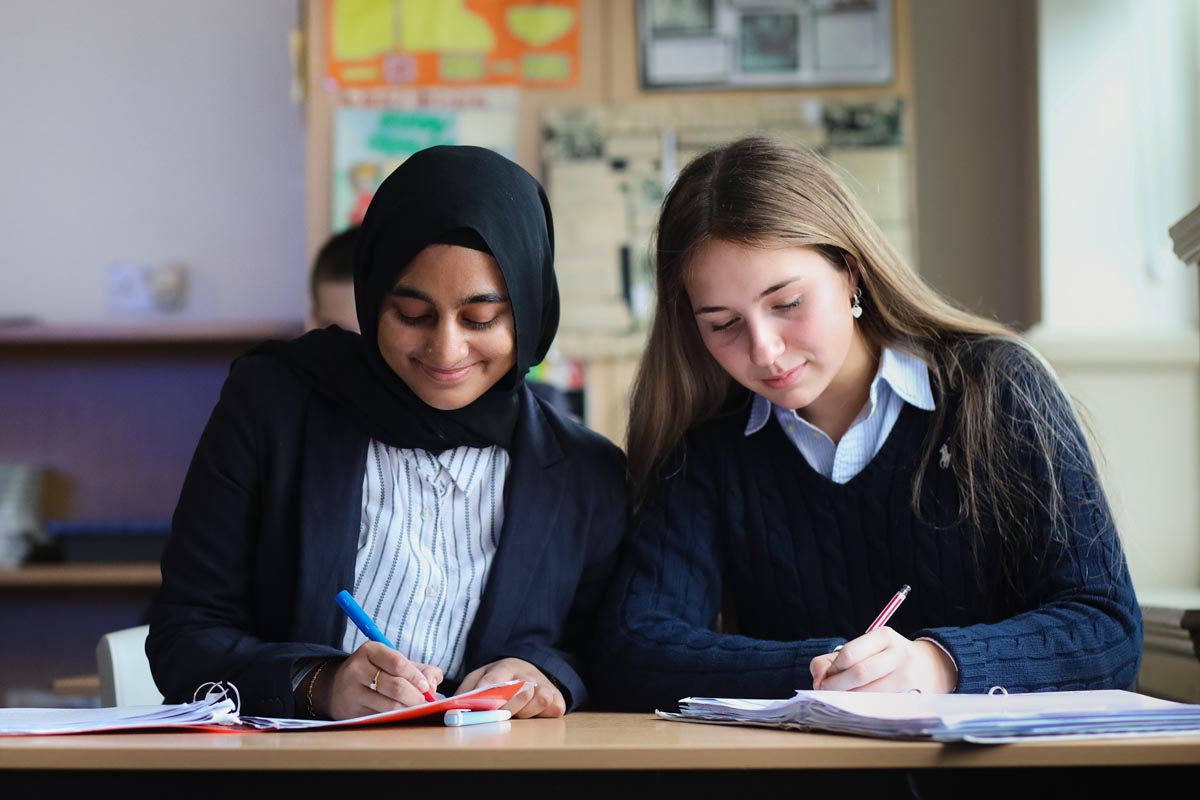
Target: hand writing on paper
x=537, y=698
x=397, y=681
x=885, y=661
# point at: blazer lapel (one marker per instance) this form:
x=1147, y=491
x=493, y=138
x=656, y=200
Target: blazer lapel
x=533, y=496
x=333, y=462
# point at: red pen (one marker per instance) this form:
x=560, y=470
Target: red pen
x=890, y=608
x=887, y=612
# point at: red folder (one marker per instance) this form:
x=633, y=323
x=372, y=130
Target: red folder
x=483, y=699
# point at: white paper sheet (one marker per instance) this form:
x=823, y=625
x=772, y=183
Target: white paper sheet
x=955, y=717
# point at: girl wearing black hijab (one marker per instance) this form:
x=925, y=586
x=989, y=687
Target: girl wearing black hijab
x=411, y=466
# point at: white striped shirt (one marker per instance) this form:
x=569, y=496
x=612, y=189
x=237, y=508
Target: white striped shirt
x=901, y=378
x=429, y=531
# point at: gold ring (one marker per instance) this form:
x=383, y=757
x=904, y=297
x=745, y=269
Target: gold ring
x=374, y=687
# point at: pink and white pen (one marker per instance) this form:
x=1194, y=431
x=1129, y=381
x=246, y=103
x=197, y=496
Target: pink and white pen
x=887, y=612
x=890, y=608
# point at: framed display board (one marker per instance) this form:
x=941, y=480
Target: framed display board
x=716, y=44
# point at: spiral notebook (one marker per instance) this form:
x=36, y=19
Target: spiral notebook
x=979, y=718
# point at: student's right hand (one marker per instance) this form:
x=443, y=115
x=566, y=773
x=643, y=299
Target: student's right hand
x=885, y=661
x=399, y=683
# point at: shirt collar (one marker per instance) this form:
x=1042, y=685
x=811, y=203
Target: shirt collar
x=905, y=373
x=459, y=464
x=464, y=467
x=908, y=376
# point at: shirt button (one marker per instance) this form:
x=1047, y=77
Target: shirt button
x=426, y=513
x=431, y=591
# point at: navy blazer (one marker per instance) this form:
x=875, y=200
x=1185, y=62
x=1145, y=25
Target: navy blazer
x=265, y=532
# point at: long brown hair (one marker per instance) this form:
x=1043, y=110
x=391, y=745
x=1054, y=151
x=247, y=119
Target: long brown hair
x=760, y=192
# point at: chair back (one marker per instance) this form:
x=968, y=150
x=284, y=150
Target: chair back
x=125, y=678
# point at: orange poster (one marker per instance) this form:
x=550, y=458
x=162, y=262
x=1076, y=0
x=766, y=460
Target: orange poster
x=397, y=43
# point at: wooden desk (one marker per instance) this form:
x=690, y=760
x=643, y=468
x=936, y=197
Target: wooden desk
x=583, y=750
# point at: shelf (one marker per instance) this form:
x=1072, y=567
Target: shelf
x=156, y=332
x=81, y=576
x=77, y=686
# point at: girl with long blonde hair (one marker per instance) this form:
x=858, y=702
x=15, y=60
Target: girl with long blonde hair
x=812, y=427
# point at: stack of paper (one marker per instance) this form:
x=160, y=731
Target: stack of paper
x=218, y=712
x=212, y=711
x=989, y=718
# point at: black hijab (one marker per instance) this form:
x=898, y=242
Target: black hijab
x=441, y=194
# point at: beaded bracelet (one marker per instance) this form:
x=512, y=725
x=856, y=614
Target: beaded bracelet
x=311, y=683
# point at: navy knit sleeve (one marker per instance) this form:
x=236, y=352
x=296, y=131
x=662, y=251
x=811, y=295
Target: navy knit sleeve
x=1085, y=630
x=657, y=642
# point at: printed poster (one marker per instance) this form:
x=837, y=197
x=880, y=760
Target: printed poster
x=414, y=43
x=370, y=142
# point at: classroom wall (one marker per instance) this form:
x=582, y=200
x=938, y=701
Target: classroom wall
x=1119, y=109
x=974, y=77
x=1119, y=93
x=144, y=132
x=1043, y=203
x=1139, y=396
x=176, y=139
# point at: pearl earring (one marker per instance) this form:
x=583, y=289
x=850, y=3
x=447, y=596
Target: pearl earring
x=856, y=304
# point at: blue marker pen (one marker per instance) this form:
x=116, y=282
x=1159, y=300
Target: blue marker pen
x=457, y=717
x=367, y=625
x=359, y=617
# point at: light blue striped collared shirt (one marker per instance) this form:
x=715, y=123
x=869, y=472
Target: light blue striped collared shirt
x=902, y=378
x=429, y=531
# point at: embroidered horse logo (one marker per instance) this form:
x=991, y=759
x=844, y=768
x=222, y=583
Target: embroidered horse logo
x=944, y=456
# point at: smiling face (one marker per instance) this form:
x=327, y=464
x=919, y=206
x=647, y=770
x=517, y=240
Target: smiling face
x=779, y=322
x=446, y=328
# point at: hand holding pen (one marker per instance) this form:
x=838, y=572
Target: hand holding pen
x=377, y=677
x=881, y=660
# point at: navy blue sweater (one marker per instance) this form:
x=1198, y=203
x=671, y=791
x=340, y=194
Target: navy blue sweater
x=746, y=530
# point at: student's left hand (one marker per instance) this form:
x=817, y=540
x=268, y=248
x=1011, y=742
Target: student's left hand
x=537, y=698
x=885, y=661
